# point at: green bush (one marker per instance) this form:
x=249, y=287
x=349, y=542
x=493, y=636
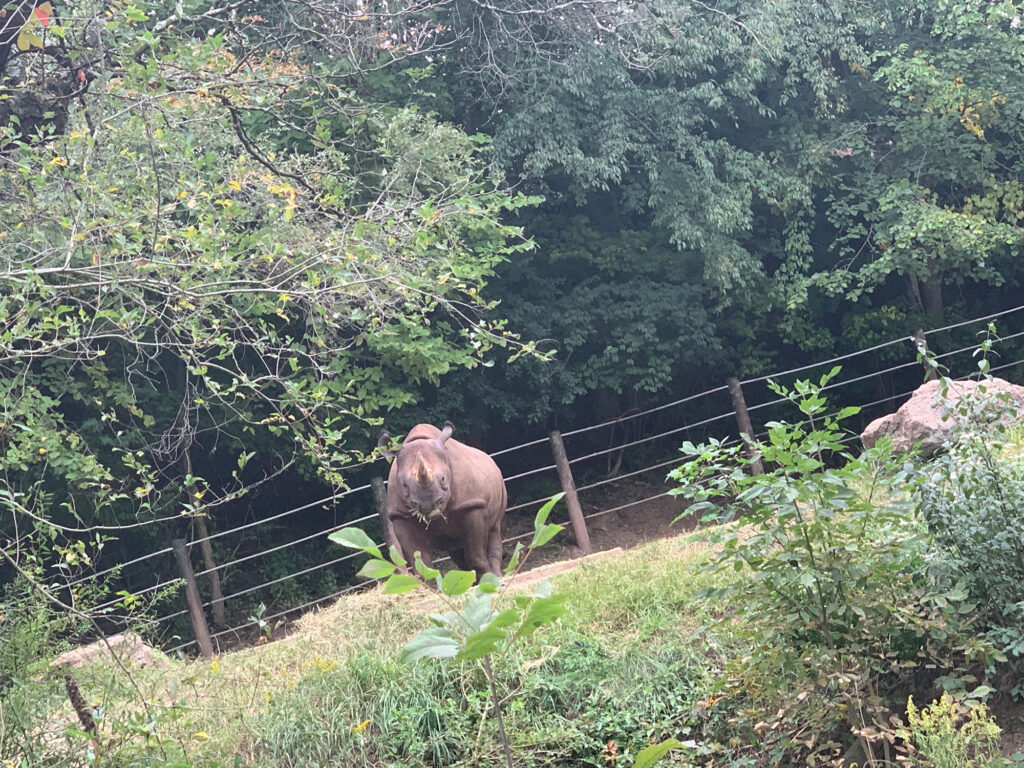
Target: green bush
x=836, y=552
x=840, y=593
x=972, y=498
x=32, y=632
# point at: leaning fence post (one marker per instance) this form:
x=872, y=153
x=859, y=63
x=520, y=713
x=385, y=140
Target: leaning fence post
x=746, y=428
x=572, y=501
x=195, y=606
x=380, y=499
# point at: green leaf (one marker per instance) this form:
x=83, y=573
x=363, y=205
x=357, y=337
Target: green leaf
x=395, y=556
x=432, y=643
x=423, y=569
x=542, y=588
x=544, y=611
x=478, y=613
x=481, y=643
x=544, y=511
x=506, y=618
x=376, y=569
x=513, y=562
x=489, y=583
x=648, y=756
x=457, y=582
x=400, y=583
x=544, y=534
x=356, y=538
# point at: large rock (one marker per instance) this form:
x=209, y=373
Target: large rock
x=931, y=419
x=128, y=647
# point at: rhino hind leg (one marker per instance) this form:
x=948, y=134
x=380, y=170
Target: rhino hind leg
x=458, y=556
x=494, y=549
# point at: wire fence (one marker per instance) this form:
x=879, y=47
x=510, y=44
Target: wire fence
x=650, y=438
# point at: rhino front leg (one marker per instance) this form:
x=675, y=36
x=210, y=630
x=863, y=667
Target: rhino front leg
x=477, y=552
x=412, y=539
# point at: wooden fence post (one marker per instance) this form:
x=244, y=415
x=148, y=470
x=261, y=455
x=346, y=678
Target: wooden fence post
x=572, y=501
x=921, y=343
x=380, y=499
x=216, y=595
x=195, y=605
x=746, y=428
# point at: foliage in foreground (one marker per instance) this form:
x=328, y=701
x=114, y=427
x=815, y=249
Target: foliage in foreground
x=841, y=596
x=644, y=652
x=620, y=671
x=478, y=625
x=972, y=498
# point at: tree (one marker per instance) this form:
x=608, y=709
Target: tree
x=222, y=249
x=924, y=181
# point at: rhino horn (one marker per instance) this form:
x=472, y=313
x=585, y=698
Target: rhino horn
x=423, y=474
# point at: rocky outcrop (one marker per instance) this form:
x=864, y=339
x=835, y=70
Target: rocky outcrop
x=127, y=647
x=932, y=417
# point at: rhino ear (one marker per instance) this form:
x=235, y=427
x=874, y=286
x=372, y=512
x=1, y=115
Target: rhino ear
x=384, y=443
x=446, y=432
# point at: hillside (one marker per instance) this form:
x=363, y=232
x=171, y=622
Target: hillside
x=333, y=692
x=852, y=614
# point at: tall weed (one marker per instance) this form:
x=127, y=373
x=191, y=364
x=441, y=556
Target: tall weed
x=948, y=734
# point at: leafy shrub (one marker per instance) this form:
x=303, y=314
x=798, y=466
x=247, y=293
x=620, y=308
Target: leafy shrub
x=841, y=592
x=835, y=551
x=31, y=631
x=972, y=498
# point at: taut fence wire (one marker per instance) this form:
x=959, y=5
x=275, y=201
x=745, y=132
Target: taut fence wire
x=669, y=427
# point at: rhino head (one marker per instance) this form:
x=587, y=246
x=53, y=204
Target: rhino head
x=425, y=476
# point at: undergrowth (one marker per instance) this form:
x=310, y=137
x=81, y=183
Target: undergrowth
x=625, y=667
x=784, y=643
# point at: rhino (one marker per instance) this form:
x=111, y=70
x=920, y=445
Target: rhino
x=443, y=494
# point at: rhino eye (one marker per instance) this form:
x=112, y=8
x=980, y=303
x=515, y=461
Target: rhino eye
x=444, y=482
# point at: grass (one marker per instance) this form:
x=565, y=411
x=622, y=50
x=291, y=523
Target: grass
x=626, y=665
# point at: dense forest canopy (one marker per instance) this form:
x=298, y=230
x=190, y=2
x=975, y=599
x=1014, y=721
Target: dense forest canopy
x=236, y=237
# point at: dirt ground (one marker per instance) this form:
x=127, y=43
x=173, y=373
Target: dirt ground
x=624, y=528
x=1009, y=716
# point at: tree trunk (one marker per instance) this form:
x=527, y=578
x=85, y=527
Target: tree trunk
x=931, y=297
x=914, y=292
x=202, y=532
x=925, y=294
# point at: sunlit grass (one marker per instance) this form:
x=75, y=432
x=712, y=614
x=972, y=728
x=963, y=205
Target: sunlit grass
x=334, y=692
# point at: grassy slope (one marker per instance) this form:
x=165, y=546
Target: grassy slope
x=626, y=664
